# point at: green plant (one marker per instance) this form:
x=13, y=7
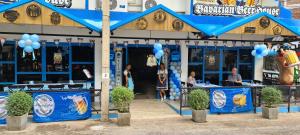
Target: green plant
x=271, y=96
x=18, y=103
x=198, y=99
x=121, y=98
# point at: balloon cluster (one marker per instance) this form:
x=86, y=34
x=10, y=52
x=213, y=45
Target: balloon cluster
x=175, y=83
x=273, y=51
x=260, y=51
x=158, y=51
x=29, y=43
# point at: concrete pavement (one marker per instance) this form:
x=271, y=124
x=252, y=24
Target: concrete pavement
x=151, y=117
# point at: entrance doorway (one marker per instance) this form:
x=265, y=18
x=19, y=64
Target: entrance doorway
x=144, y=77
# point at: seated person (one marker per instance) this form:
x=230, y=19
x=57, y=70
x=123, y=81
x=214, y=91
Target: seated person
x=191, y=80
x=235, y=78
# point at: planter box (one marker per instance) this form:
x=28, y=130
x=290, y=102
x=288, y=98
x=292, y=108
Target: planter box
x=124, y=119
x=16, y=123
x=199, y=116
x=270, y=113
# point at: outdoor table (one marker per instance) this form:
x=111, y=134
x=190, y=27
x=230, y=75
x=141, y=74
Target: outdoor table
x=46, y=86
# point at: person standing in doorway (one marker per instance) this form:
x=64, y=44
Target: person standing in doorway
x=128, y=77
x=162, y=85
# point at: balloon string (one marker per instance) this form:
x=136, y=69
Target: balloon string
x=23, y=54
x=33, y=56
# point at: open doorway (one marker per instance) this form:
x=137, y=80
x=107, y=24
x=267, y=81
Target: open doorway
x=144, y=77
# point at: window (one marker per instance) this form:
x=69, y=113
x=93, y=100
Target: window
x=270, y=63
x=29, y=77
x=26, y=63
x=195, y=55
x=7, y=53
x=246, y=72
x=77, y=71
x=212, y=60
x=57, y=59
x=229, y=59
x=7, y=73
x=58, y=78
x=197, y=69
x=245, y=56
x=83, y=53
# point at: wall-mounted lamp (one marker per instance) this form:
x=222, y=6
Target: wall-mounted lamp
x=243, y=43
x=2, y=41
x=92, y=42
x=91, y=32
x=196, y=43
x=187, y=42
x=216, y=43
x=56, y=42
x=147, y=41
x=233, y=43
x=69, y=40
x=44, y=42
x=206, y=43
x=125, y=43
x=136, y=42
x=177, y=42
x=167, y=42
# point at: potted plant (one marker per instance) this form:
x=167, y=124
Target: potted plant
x=121, y=98
x=272, y=97
x=18, y=105
x=199, y=101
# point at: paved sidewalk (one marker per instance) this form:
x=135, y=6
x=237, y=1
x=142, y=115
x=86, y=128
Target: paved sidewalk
x=151, y=117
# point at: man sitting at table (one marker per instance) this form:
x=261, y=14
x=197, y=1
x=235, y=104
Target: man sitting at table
x=235, y=78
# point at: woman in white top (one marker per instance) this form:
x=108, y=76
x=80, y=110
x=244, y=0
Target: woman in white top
x=162, y=84
x=192, y=81
x=128, y=77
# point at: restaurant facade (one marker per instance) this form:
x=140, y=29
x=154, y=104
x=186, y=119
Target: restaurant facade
x=207, y=37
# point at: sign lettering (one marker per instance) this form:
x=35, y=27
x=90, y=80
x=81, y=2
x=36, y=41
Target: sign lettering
x=234, y=7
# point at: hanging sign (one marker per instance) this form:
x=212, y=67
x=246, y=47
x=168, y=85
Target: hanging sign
x=230, y=100
x=61, y=106
x=235, y=7
x=61, y=3
x=3, y=111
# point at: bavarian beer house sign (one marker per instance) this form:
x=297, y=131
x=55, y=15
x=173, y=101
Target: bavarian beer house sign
x=235, y=7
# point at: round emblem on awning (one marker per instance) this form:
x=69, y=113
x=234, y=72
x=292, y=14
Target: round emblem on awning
x=159, y=16
x=11, y=15
x=177, y=25
x=55, y=18
x=277, y=30
x=150, y=4
x=33, y=10
x=264, y=22
x=142, y=24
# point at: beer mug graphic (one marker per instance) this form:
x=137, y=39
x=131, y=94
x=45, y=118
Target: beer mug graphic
x=80, y=104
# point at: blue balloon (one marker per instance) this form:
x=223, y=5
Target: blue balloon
x=158, y=46
x=36, y=45
x=34, y=38
x=21, y=43
x=157, y=56
x=25, y=37
x=155, y=50
x=161, y=52
x=28, y=49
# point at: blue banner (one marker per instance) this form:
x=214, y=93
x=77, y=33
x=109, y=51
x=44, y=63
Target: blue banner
x=230, y=100
x=3, y=111
x=61, y=106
